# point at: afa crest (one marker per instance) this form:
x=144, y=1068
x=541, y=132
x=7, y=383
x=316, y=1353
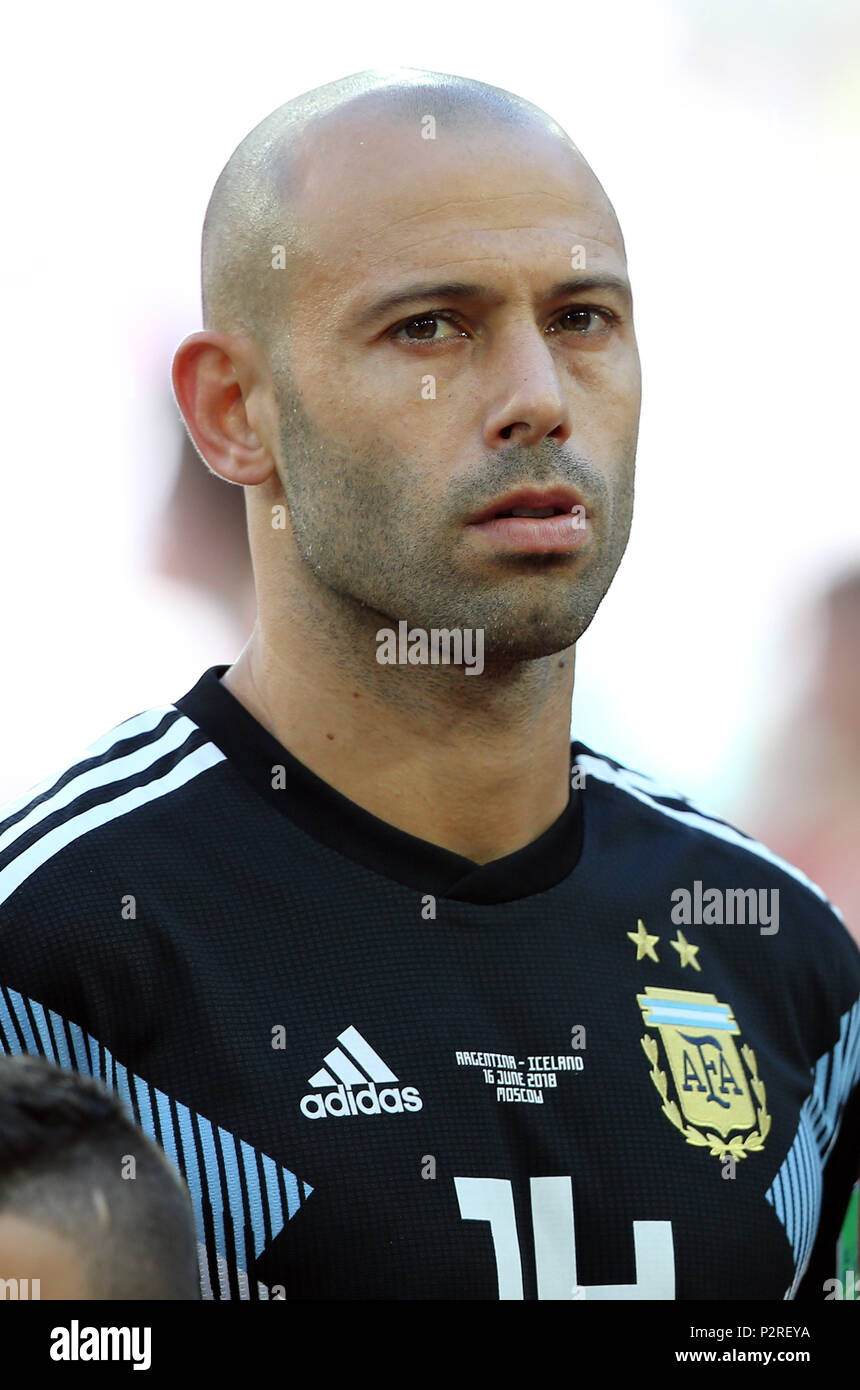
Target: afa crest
x=720, y=1101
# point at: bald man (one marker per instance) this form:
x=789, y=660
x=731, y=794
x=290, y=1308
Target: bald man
x=424, y=1000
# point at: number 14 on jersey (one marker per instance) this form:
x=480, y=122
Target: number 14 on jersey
x=554, y=1236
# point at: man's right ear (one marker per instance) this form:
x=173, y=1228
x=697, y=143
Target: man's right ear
x=218, y=391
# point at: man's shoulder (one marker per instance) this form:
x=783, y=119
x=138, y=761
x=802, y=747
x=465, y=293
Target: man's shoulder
x=140, y=764
x=664, y=815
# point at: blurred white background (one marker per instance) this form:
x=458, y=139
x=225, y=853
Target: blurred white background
x=725, y=132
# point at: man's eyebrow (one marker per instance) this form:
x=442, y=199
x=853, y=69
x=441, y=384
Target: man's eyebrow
x=463, y=289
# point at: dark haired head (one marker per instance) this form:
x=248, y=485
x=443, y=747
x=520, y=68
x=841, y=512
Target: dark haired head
x=72, y=1162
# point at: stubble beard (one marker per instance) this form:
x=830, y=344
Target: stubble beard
x=375, y=549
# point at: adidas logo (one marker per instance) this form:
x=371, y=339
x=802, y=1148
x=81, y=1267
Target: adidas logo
x=355, y=1065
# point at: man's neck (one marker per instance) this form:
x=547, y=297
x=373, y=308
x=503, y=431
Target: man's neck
x=478, y=765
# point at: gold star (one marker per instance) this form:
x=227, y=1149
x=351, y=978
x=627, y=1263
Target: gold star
x=643, y=942
x=686, y=951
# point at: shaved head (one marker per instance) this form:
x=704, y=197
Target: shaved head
x=416, y=300
x=420, y=363
x=256, y=204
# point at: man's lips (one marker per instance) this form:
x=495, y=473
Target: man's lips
x=553, y=521
x=555, y=500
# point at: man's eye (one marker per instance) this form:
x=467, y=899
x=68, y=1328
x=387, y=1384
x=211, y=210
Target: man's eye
x=422, y=329
x=586, y=322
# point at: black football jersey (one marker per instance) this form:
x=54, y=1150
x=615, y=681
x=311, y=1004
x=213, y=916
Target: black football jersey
x=620, y=1063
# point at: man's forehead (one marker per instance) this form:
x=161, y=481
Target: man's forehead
x=373, y=196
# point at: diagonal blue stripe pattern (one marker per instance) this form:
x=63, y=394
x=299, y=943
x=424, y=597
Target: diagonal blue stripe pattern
x=795, y=1193
x=264, y=1209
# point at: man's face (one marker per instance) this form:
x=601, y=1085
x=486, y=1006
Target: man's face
x=399, y=424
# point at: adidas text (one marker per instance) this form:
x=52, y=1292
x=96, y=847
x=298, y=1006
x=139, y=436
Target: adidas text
x=343, y=1101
